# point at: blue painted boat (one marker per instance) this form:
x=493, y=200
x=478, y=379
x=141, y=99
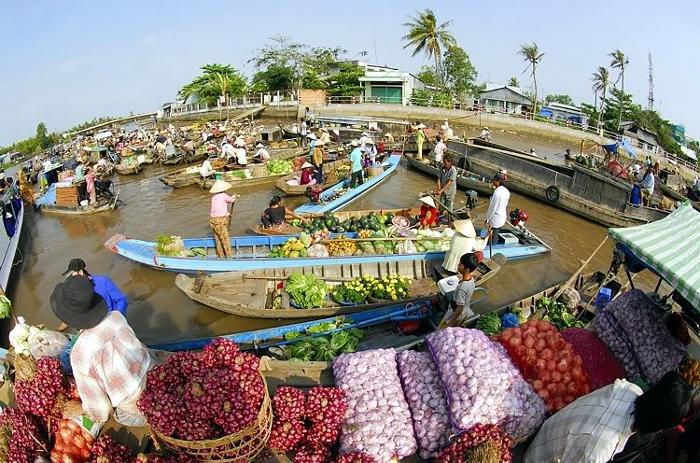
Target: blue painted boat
x=270, y=337
x=251, y=254
x=351, y=195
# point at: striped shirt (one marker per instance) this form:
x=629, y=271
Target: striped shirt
x=592, y=429
x=109, y=364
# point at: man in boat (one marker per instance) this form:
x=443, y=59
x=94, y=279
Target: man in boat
x=109, y=363
x=497, y=214
x=429, y=216
x=325, y=137
x=228, y=151
x=447, y=183
x=188, y=147
x=388, y=137
x=532, y=153
x=276, y=215
x=206, y=170
x=220, y=217
x=370, y=152
x=420, y=139
x=439, y=151
x=485, y=134
x=648, y=183
x=463, y=241
x=262, y=155
x=614, y=423
x=447, y=132
x=364, y=138
x=302, y=132
x=462, y=312
x=355, y=164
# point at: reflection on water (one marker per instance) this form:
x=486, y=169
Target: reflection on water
x=158, y=311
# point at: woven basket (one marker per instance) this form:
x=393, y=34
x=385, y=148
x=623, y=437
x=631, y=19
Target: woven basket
x=240, y=447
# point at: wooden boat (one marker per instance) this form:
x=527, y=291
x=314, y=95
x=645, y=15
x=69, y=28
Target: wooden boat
x=251, y=253
x=189, y=175
x=252, y=294
x=465, y=179
x=676, y=196
x=47, y=203
x=127, y=168
x=254, y=175
x=346, y=196
x=9, y=241
x=185, y=159
x=298, y=190
x=574, y=188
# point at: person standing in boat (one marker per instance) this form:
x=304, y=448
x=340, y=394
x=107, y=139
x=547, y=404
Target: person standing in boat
x=447, y=183
x=317, y=157
x=648, y=183
x=302, y=132
x=220, y=217
x=355, y=164
x=439, y=151
x=370, y=152
x=497, y=214
x=276, y=215
x=420, y=139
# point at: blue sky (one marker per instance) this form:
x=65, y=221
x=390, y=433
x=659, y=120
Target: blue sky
x=65, y=62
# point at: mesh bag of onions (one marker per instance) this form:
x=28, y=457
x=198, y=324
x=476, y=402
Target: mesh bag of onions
x=482, y=385
x=600, y=364
x=426, y=399
x=640, y=326
x=378, y=420
x=481, y=444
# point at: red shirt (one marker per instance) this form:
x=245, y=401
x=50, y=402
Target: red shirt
x=428, y=215
x=306, y=176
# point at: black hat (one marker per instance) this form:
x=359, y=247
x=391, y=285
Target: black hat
x=76, y=304
x=75, y=265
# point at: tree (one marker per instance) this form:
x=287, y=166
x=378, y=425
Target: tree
x=619, y=61
x=426, y=35
x=346, y=81
x=562, y=99
x=601, y=80
x=216, y=80
x=42, y=140
x=532, y=56
x=513, y=82
x=460, y=73
x=428, y=76
x=274, y=78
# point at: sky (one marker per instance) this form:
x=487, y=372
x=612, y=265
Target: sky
x=69, y=61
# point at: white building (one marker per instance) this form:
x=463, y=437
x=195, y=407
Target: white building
x=505, y=99
x=384, y=84
x=564, y=113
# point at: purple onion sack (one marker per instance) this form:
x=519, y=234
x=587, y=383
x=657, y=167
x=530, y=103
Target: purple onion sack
x=378, y=420
x=425, y=395
x=482, y=385
x=606, y=326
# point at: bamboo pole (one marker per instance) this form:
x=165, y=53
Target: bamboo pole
x=576, y=274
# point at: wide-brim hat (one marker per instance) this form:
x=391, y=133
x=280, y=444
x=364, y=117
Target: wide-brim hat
x=421, y=126
x=370, y=142
x=427, y=200
x=365, y=134
x=485, y=128
x=307, y=165
x=76, y=303
x=465, y=227
x=220, y=186
x=355, y=143
x=311, y=136
x=260, y=145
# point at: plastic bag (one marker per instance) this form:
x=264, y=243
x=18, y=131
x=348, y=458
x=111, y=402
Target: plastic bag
x=318, y=250
x=406, y=247
x=47, y=343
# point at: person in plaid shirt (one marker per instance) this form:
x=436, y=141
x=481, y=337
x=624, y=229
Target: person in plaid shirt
x=597, y=426
x=109, y=362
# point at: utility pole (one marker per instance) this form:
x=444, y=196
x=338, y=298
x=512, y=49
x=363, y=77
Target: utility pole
x=650, y=103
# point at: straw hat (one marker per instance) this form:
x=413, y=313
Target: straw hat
x=427, y=200
x=364, y=134
x=370, y=142
x=421, y=126
x=220, y=186
x=260, y=145
x=465, y=227
x=311, y=136
x=306, y=165
x=355, y=143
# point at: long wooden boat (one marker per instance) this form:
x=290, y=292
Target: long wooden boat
x=258, y=176
x=676, y=196
x=298, y=190
x=9, y=241
x=465, y=179
x=347, y=196
x=253, y=294
x=188, y=175
x=251, y=253
x=102, y=206
x=574, y=188
x=127, y=169
x=183, y=159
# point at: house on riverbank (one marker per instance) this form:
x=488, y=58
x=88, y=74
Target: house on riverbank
x=645, y=138
x=504, y=99
x=564, y=113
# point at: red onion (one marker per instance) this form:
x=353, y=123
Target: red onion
x=308, y=453
x=40, y=394
x=107, y=450
x=286, y=435
x=289, y=403
x=457, y=450
x=25, y=438
x=355, y=457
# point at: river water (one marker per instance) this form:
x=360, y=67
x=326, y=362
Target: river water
x=158, y=311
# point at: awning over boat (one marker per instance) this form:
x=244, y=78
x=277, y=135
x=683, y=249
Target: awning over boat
x=614, y=148
x=670, y=247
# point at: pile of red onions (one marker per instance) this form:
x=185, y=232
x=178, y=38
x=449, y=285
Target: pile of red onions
x=21, y=437
x=482, y=384
x=459, y=450
x=355, y=457
x=600, y=364
x=635, y=332
x=207, y=395
x=108, y=450
x=378, y=421
x=43, y=393
x=425, y=395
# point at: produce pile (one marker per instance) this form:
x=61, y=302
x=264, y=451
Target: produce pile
x=44, y=392
x=340, y=246
x=548, y=362
x=293, y=248
x=205, y=395
x=635, y=332
x=307, y=423
x=558, y=314
x=433, y=240
x=373, y=222
x=378, y=420
x=600, y=364
x=426, y=399
x=73, y=443
x=313, y=347
x=482, y=385
x=174, y=246
x=353, y=292
x=390, y=288
x=491, y=324
x=481, y=444
x=22, y=438
x=279, y=166
x=307, y=291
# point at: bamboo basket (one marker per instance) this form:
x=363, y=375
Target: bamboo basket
x=240, y=447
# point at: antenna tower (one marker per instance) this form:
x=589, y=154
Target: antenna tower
x=650, y=103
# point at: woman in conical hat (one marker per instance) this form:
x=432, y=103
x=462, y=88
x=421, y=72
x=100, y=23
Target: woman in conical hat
x=463, y=241
x=220, y=217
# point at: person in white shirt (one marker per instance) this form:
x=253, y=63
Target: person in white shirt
x=532, y=153
x=447, y=132
x=485, y=134
x=241, y=156
x=371, y=152
x=206, y=170
x=363, y=140
x=302, y=132
x=228, y=150
x=439, y=150
x=497, y=213
x=262, y=154
x=325, y=136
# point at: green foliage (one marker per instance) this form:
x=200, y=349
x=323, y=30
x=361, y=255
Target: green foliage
x=346, y=81
x=513, y=82
x=216, y=80
x=308, y=291
x=558, y=314
x=427, y=36
x=489, y=323
x=460, y=73
x=428, y=76
x=532, y=56
x=275, y=77
x=436, y=98
x=34, y=145
x=559, y=98
x=323, y=348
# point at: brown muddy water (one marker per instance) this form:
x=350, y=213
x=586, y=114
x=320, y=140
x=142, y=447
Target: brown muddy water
x=158, y=311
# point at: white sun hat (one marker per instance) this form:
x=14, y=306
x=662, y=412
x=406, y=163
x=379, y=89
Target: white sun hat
x=465, y=227
x=260, y=145
x=220, y=186
x=306, y=165
x=427, y=200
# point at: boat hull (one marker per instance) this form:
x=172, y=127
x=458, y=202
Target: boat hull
x=81, y=210
x=480, y=185
x=8, y=245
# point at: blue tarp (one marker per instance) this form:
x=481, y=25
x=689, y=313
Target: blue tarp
x=625, y=145
x=48, y=198
x=546, y=113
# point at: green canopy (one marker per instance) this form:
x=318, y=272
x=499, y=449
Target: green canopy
x=671, y=248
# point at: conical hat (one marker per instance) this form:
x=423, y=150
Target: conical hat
x=306, y=165
x=220, y=186
x=427, y=200
x=465, y=227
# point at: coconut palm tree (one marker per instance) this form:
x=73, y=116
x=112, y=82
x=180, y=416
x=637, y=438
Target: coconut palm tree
x=513, y=82
x=532, y=56
x=426, y=35
x=619, y=61
x=601, y=80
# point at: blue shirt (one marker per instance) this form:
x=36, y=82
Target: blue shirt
x=356, y=159
x=115, y=299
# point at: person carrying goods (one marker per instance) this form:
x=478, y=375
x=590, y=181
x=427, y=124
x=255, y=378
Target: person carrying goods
x=220, y=217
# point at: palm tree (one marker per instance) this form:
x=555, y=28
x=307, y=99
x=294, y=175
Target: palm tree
x=513, y=82
x=601, y=80
x=619, y=61
x=426, y=35
x=532, y=56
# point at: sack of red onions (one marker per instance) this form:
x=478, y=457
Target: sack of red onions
x=481, y=444
x=378, y=421
x=482, y=385
x=600, y=364
x=72, y=443
x=548, y=362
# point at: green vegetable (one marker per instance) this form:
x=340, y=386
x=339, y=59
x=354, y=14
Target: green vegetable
x=558, y=314
x=323, y=348
x=5, y=307
x=166, y=246
x=307, y=290
x=489, y=324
